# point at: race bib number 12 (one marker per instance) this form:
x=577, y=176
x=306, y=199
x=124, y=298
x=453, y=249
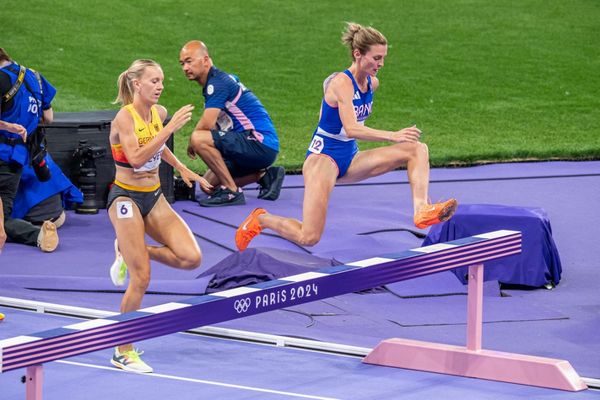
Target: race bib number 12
x=316, y=146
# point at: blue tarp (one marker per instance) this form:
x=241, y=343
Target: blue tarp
x=539, y=262
x=31, y=191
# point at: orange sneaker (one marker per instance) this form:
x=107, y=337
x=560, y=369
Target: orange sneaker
x=248, y=229
x=431, y=214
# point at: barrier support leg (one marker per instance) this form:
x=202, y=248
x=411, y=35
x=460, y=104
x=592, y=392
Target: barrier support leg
x=472, y=361
x=34, y=378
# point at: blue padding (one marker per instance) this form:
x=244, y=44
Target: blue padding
x=467, y=240
x=402, y=254
x=199, y=299
x=268, y=284
x=128, y=316
x=54, y=333
x=335, y=269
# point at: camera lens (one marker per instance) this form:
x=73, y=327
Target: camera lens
x=86, y=155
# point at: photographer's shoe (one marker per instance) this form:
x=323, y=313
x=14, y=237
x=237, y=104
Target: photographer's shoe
x=118, y=269
x=224, y=197
x=47, y=239
x=60, y=220
x=431, y=214
x=270, y=183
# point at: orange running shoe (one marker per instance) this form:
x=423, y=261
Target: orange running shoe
x=248, y=229
x=431, y=214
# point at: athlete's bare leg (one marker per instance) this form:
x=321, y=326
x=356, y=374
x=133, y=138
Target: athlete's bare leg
x=374, y=162
x=132, y=245
x=180, y=248
x=320, y=173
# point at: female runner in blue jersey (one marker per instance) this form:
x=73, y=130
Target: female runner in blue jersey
x=333, y=154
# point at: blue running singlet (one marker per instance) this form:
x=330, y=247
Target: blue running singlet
x=330, y=137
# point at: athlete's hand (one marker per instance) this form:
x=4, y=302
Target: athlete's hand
x=205, y=185
x=180, y=118
x=18, y=129
x=411, y=134
x=188, y=176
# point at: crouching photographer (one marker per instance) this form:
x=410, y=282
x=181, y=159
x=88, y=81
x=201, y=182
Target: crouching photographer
x=25, y=102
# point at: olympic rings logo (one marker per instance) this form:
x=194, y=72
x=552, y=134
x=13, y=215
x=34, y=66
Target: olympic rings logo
x=242, y=305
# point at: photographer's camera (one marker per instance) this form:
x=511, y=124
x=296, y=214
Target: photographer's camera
x=85, y=156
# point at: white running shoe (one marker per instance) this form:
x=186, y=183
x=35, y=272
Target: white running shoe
x=118, y=270
x=130, y=361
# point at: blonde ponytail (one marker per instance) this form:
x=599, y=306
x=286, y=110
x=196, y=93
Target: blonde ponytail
x=126, y=78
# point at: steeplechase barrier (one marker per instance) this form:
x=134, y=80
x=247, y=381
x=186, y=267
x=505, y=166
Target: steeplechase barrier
x=31, y=351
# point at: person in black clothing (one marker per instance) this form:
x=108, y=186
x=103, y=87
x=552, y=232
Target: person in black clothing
x=25, y=102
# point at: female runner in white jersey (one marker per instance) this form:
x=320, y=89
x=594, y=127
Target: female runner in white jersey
x=136, y=205
x=333, y=155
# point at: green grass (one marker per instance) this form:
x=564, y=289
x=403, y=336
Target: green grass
x=485, y=80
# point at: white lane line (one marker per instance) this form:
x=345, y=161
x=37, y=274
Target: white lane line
x=179, y=378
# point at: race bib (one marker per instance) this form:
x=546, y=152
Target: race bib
x=316, y=145
x=124, y=209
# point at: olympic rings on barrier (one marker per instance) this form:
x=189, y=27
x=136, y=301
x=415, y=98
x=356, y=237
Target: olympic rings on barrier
x=242, y=305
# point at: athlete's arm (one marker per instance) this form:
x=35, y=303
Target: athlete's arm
x=186, y=174
x=341, y=92
x=208, y=120
x=47, y=116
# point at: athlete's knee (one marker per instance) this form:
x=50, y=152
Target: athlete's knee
x=139, y=282
x=414, y=149
x=422, y=149
x=309, y=238
x=201, y=140
x=191, y=260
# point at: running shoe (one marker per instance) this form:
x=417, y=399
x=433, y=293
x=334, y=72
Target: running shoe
x=224, y=197
x=248, y=229
x=130, y=361
x=118, y=269
x=270, y=183
x=431, y=214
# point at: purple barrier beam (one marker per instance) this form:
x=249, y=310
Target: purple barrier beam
x=89, y=336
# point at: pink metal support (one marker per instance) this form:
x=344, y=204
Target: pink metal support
x=472, y=361
x=475, y=307
x=34, y=378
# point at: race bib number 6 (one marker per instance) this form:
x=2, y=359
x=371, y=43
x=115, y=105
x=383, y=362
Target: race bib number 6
x=124, y=209
x=317, y=144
